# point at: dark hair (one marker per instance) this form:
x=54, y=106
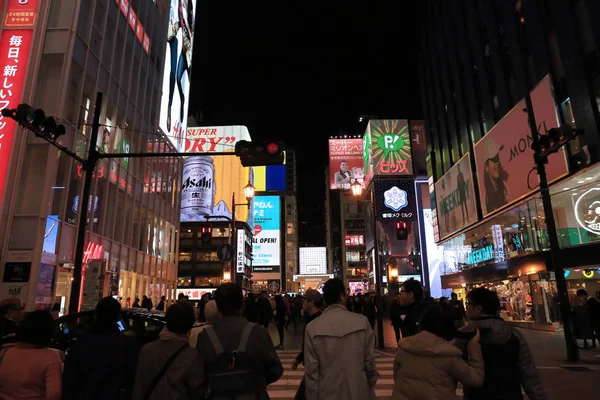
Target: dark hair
x=229, y=298
x=180, y=318
x=108, y=311
x=453, y=296
x=434, y=320
x=163, y=298
x=490, y=188
x=414, y=287
x=485, y=298
x=582, y=292
x=56, y=307
x=37, y=328
x=180, y=296
x=332, y=290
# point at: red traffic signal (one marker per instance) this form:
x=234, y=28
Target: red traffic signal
x=254, y=154
x=402, y=230
x=554, y=139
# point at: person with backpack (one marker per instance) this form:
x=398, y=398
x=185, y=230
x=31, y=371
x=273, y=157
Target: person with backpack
x=508, y=362
x=239, y=357
x=171, y=368
x=339, y=354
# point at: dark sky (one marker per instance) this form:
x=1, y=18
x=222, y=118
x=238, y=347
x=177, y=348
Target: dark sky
x=301, y=71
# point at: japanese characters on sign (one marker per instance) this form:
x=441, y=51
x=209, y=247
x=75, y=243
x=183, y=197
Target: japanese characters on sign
x=14, y=53
x=387, y=148
x=354, y=240
x=240, y=251
x=20, y=14
x=135, y=24
x=345, y=163
x=267, y=232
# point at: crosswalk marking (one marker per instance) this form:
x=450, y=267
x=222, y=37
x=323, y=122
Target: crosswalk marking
x=285, y=388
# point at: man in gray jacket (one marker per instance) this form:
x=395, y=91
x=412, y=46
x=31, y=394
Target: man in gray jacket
x=339, y=360
x=168, y=367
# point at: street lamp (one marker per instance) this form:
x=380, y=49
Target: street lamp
x=357, y=189
x=249, y=194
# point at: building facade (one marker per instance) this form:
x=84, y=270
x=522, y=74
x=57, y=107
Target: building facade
x=76, y=49
x=478, y=60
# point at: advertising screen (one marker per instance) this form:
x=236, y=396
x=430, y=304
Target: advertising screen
x=177, y=70
x=194, y=293
x=51, y=234
x=504, y=156
x=387, y=148
x=435, y=255
x=455, y=198
x=395, y=201
x=345, y=163
x=313, y=261
x=266, y=243
x=15, y=45
x=354, y=240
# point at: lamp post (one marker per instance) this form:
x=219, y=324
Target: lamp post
x=357, y=189
x=249, y=194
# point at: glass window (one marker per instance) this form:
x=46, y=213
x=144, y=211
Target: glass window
x=184, y=281
x=517, y=232
x=187, y=234
x=61, y=13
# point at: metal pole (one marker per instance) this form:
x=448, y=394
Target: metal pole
x=561, y=282
x=378, y=280
x=233, y=272
x=88, y=166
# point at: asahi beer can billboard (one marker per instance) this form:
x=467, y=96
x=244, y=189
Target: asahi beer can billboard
x=197, y=189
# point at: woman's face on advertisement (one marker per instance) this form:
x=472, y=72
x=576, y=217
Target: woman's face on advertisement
x=493, y=167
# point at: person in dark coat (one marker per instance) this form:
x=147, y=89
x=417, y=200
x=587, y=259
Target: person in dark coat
x=350, y=304
x=102, y=364
x=584, y=325
x=411, y=299
x=369, y=310
x=201, y=306
x=161, y=305
x=358, y=304
x=312, y=304
x=250, y=308
x=280, y=313
x=136, y=303
x=264, y=310
x=146, y=303
x=395, y=313
x=11, y=314
x=458, y=311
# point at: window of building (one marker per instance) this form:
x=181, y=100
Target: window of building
x=207, y=256
x=187, y=233
x=185, y=256
x=184, y=281
x=212, y=281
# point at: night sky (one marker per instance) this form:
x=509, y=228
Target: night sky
x=301, y=72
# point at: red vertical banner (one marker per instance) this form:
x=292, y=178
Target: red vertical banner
x=125, y=8
x=20, y=13
x=132, y=18
x=146, y=43
x=139, y=32
x=14, y=54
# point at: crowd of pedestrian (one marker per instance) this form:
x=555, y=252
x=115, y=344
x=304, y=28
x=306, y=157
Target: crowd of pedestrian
x=231, y=355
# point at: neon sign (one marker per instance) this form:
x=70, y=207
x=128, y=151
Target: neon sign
x=481, y=255
x=587, y=211
x=93, y=251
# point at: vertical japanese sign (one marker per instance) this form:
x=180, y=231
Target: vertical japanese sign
x=240, y=251
x=15, y=45
x=266, y=243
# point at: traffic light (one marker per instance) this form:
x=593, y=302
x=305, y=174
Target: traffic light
x=253, y=154
x=35, y=120
x=555, y=138
x=206, y=235
x=402, y=230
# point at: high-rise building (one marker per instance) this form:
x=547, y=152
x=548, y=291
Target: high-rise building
x=57, y=55
x=478, y=61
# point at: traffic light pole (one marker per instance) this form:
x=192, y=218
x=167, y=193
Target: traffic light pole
x=89, y=166
x=540, y=162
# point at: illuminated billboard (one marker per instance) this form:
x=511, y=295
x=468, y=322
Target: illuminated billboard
x=176, y=79
x=208, y=182
x=504, y=156
x=266, y=243
x=313, y=261
x=15, y=45
x=345, y=163
x=387, y=149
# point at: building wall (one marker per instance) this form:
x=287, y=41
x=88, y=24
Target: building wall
x=81, y=48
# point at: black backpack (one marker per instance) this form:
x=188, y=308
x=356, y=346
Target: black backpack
x=232, y=375
x=502, y=377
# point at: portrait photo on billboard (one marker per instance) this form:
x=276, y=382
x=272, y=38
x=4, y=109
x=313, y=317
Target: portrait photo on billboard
x=345, y=163
x=395, y=203
x=504, y=156
x=390, y=147
x=177, y=71
x=455, y=198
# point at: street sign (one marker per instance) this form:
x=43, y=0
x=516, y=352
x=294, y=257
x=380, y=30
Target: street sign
x=225, y=252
